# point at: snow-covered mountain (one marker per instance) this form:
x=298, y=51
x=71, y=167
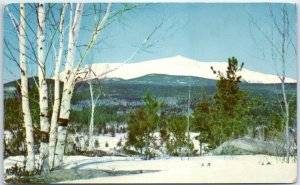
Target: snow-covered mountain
x=178, y=65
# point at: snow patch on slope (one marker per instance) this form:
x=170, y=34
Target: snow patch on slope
x=178, y=66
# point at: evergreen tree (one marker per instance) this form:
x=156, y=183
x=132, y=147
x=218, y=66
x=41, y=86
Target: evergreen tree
x=228, y=95
x=227, y=114
x=179, y=144
x=231, y=110
x=142, y=123
x=202, y=119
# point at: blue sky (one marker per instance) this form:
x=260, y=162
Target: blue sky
x=201, y=31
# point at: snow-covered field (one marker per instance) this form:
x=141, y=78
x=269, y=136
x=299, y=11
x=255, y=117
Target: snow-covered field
x=205, y=169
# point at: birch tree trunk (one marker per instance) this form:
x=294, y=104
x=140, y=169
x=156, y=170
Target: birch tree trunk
x=69, y=83
x=43, y=91
x=286, y=116
x=91, y=126
x=188, y=118
x=284, y=33
x=282, y=47
x=55, y=112
x=30, y=159
x=70, y=79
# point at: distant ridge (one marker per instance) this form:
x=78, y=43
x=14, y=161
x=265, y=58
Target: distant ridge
x=177, y=66
x=162, y=79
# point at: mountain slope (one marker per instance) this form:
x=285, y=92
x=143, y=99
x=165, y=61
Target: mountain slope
x=162, y=79
x=178, y=66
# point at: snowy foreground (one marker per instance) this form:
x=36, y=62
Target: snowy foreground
x=206, y=169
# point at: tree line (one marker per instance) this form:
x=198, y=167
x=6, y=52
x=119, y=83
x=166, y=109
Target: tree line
x=228, y=114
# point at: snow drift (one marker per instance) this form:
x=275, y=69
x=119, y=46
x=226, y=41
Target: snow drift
x=248, y=146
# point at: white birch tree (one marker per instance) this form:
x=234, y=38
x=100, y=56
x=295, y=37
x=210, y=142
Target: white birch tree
x=70, y=79
x=43, y=90
x=20, y=28
x=55, y=111
x=281, y=48
x=188, y=115
x=30, y=161
x=93, y=106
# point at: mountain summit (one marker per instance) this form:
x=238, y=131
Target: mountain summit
x=178, y=66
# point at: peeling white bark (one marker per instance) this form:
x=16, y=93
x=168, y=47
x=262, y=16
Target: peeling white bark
x=70, y=79
x=30, y=161
x=91, y=126
x=55, y=112
x=287, y=114
x=69, y=83
x=43, y=90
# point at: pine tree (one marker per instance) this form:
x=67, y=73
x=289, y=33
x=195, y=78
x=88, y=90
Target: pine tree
x=179, y=144
x=202, y=117
x=229, y=95
x=226, y=115
x=230, y=107
x=141, y=126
